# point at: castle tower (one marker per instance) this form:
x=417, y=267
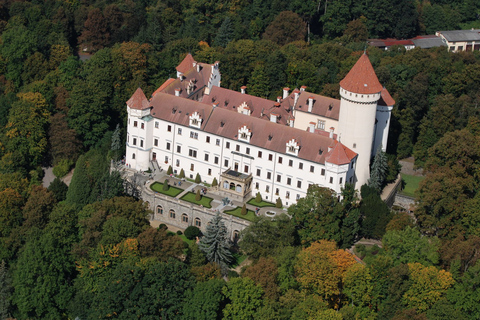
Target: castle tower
x=384, y=111
x=360, y=91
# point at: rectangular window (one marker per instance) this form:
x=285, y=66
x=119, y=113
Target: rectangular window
x=206, y=157
x=227, y=145
x=192, y=167
x=259, y=154
x=277, y=191
x=298, y=197
x=192, y=153
x=257, y=185
x=248, y=151
x=323, y=172
x=267, y=188
x=279, y=178
x=237, y=148
x=178, y=163
x=169, y=128
x=225, y=163
x=290, y=163
x=341, y=180
x=280, y=159
x=207, y=139
x=312, y=169
x=179, y=149
x=289, y=181
x=142, y=125
x=193, y=135
x=353, y=162
x=259, y=172
x=134, y=141
x=166, y=159
x=269, y=175
x=141, y=143
x=300, y=165
x=155, y=142
x=299, y=184
x=215, y=160
x=270, y=157
x=179, y=131
x=287, y=195
x=217, y=142
x=331, y=179
x=321, y=125
x=209, y=172
x=246, y=169
x=168, y=145
x=135, y=123
x=156, y=124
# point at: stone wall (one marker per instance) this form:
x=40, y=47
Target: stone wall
x=405, y=202
x=182, y=214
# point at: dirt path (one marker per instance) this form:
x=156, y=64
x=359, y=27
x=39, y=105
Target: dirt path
x=408, y=167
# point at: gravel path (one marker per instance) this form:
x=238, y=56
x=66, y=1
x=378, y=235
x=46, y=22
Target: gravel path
x=408, y=167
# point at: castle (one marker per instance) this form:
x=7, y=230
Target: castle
x=250, y=144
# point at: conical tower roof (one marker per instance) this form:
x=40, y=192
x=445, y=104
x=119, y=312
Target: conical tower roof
x=362, y=78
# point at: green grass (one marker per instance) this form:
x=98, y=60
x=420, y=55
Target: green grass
x=237, y=259
x=411, y=184
x=237, y=213
x=204, y=201
x=261, y=204
x=172, y=191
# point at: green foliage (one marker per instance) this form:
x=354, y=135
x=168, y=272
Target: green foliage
x=216, y=244
x=116, y=144
x=379, y=170
x=376, y=216
x=181, y=175
x=170, y=170
x=5, y=291
x=197, y=178
x=263, y=236
x=214, y=182
x=62, y=168
x=258, y=197
x=165, y=186
x=244, y=210
x=198, y=197
x=225, y=33
x=204, y=301
x=192, y=232
x=245, y=298
x=278, y=203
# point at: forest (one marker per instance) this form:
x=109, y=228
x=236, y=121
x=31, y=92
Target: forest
x=87, y=251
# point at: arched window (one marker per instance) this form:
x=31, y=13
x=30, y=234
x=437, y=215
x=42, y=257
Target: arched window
x=184, y=218
x=198, y=222
x=172, y=213
x=159, y=210
x=225, y=185
x=238, y=188
x=236, y=235
x=232, y=186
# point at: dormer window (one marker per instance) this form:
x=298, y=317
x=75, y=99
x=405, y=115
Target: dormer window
x=292, y=147
x=195, y=120
x=244, y=134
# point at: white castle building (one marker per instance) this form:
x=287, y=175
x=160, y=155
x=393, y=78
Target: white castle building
x=250, y=144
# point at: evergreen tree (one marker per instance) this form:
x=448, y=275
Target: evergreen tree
x=379, y=170
x=198, y=197
x=258, y=197
x=214, y=182
x=225, y=33
x=116, y=144
x=5, y=290
x=59, y=189
x=169, y=170
x=197, y=178
x=182, y=174
x=259, y=82
x=215, y=243
x=279, y=203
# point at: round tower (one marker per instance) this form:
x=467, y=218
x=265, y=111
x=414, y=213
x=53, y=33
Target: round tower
x=360, y=91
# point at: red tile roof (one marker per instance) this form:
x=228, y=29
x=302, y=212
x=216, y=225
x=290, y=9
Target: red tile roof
x=340, y=154
x=385, y=98
x=163, y=86
x=362, y=78
x=200, y=80
x=138, y=100
x=186, y=64
x=322, y=106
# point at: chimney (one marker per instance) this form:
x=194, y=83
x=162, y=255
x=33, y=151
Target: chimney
x=215, y=104
x=331, y=132
x=296, y=96
x=243, y=89
x=273, y=117
x=279, y=99
x=277, y=104
x=285, y=92
x=310, y=104
x=198, y=67
x=311, y=127
x=303, y=88
x=177, y=92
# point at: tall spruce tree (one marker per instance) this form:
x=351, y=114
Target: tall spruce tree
x=5, y=290
x=379, y=170
x=215, y=243
x=116, y=144
x=225, y=33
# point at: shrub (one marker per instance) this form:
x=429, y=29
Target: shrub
x=244, y=209
x=191, y=232
x=179, y=232
x=214, y=182
x=165, y=185
x=232, y=274
x=279, y=203
x=258, y=197
x=197, y=178
x=182, y=174
x=163, y=226
x=198, y=197
x=62, y=168
x=169, y=170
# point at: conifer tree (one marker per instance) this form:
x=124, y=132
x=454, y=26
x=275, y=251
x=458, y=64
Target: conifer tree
x=214, y=182
x=5, y=290
x=116, y=143
x=244, y=210
x=225, y=33
x=198, y=197
x=379, y=170
x=215, y=243
x=182, y=174
x=258, y=197
x=197, y=178
x=279, y=203
x=169, y=170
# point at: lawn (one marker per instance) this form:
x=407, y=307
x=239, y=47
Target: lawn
x=204, y=201
x=411, y=184
x=182, y=236
x=261, y=204
x=172, y=191
x=237, y=213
